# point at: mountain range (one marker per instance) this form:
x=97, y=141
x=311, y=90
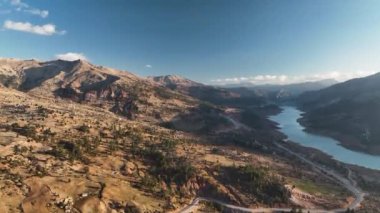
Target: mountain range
x=285, y=92
x=159, y=99
x=85, y=138
x=119, y=91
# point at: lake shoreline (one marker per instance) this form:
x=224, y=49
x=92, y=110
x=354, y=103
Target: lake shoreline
x=367, y=178
x=289, y=125
x=344, y=140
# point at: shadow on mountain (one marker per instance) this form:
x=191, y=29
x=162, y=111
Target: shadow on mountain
x=224, y=97
x=200, y=120
x=36, y=76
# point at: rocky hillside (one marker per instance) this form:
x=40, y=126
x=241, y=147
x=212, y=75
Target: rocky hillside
x=119, y=91
x=350, y=111
x=60, y=156
x=123, y=93
x=65, y=148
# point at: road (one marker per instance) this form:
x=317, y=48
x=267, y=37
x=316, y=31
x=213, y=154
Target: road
x=348, y=183
x=192, y=207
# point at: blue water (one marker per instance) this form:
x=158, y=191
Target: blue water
x=288, y=125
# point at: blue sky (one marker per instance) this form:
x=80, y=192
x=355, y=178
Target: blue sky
x=211, y=41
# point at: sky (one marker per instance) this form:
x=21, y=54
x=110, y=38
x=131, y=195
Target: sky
x=210, y=41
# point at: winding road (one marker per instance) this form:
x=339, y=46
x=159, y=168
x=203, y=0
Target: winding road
x=348, y=183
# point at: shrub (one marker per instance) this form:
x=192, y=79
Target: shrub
x=84, y=128
x=266, y=187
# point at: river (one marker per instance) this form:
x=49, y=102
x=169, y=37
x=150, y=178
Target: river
x=289, y=125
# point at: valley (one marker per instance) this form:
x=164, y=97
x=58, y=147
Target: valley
x=189, y=106
x=76, y=137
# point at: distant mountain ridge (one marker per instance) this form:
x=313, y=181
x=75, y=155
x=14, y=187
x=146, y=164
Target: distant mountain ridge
x=163, y=100
x=286, y=91
x=207, y=93
x=298, y=88
x=173, y=81
x=354, y=89
x=259, y=94
x=253, y=85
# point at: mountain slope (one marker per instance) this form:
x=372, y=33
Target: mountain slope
x=350, y=111
x=58, y=155
x=211, y=94
x=11, y=71
x=174, y=81
x=360, y=89
x=119, y=91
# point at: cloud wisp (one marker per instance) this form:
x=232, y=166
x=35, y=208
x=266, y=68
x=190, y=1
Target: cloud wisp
x=71, y=56
x=42, y=13
x=24, y=7
x=46, y=29
x=285, y=79
x=148, y=66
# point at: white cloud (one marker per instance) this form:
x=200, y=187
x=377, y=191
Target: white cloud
x=42, y=13
x=70, y=56
x=47, y=29
x=148, y=66
x=285, y=79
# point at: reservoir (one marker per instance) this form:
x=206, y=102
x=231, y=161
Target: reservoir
x=288, y=124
